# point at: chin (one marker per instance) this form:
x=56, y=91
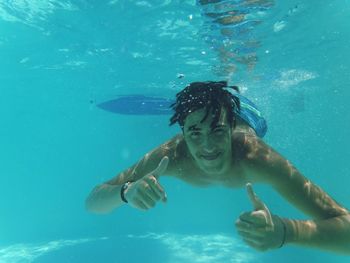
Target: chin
x=212, y=171
x=214, y=168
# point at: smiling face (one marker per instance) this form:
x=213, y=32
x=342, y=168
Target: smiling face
x=209, y=146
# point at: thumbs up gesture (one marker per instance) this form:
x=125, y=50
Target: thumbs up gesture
x=259, y=228
x=146, y=192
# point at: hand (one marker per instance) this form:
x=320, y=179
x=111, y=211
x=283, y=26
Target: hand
x=258, y=228
x=146, y=192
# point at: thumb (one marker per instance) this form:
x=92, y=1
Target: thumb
x=162, y=166
x=257, y=203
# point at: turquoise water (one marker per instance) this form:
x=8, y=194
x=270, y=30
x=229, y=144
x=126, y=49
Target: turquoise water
x=60, y=58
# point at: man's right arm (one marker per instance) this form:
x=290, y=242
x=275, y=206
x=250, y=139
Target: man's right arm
x=106, y=197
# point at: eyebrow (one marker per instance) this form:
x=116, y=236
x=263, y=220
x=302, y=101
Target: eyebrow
x=219, y=126
x=195, y=128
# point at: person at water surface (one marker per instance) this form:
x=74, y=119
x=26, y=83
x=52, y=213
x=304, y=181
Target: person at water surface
x=217, y=147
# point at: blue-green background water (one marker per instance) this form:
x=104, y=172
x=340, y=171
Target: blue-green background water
x=58, y=59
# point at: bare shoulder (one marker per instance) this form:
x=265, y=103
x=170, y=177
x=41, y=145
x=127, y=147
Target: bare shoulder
x=246, y=144
x=151, y=160
x=172, y=148
x=247, y=147
x=176, y=150
x=262, y=162
x=265, y=165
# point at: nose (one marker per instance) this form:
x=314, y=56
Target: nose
x=208, y=145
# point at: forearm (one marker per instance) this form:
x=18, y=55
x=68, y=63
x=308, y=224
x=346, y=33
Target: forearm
x=329, y=234
x=104, y=198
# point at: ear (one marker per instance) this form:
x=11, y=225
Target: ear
x=183, y=134
x=234, y=122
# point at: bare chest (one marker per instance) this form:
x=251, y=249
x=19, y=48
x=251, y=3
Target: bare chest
x=235, y=178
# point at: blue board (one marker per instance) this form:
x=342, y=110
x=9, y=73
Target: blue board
x=145, y=105
x=137, y=105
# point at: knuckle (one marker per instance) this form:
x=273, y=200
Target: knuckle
x=151, y=204
x=150, y=177
x=153, y=180
x=148, y=180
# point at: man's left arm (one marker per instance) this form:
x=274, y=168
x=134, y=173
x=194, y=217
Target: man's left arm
x=329, y=228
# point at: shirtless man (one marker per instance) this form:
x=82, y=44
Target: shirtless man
x=217, y=147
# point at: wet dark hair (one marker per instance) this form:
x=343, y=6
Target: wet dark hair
x=212, y=95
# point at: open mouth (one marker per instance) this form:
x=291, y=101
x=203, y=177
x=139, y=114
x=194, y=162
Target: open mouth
x=211, y=156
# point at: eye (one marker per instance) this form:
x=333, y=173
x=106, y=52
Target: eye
x=219, y=131
x=194, y=135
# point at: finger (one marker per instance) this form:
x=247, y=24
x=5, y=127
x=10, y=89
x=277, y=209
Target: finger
x=251, y=236
x=247, y=217
x=148, y=189
x=139, y=204
x=162, y=166
x=257, y=203
x=250, y=228
x=157, y=188
x=146, y=200
x=258, y=218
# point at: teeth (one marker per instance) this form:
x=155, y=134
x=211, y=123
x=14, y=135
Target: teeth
x=210, y=157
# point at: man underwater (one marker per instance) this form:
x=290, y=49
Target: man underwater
x=218, y=147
